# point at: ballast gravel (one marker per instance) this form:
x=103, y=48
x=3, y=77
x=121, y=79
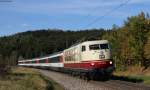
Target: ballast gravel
x=75, y=83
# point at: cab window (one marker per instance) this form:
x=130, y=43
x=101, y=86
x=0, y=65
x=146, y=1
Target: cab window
x=104, y=46
x=83, y=48
x=94, y=47
x=98, y=46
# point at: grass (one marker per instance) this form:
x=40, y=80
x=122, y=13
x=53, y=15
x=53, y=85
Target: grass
x=134, y=74
x=146, y=79
x=27, y=79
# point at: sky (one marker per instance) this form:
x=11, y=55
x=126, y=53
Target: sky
x=24, y=15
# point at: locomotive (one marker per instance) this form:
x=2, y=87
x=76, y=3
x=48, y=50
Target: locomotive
x=90, y=59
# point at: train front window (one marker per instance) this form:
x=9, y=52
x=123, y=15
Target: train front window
x=104, y=46
x=94, y=47
x=98, y=46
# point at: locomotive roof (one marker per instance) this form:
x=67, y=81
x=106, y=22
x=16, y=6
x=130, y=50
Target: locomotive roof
x=102, y=41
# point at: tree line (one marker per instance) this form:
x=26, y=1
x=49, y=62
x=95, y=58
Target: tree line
x=130, y=43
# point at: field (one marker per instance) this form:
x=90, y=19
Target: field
x=26, y=79
x=135, y=74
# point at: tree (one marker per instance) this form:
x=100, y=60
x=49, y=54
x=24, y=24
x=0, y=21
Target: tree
x=138, y=27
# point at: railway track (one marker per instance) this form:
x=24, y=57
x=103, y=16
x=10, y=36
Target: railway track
x=74, y=83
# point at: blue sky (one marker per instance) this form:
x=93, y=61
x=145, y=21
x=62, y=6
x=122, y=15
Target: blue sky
x=24, y=15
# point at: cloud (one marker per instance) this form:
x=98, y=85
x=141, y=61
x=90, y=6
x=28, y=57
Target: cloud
x=9, y=26
x=139, y=1
x=25, y=25
x=63, y=7
x=66, y=7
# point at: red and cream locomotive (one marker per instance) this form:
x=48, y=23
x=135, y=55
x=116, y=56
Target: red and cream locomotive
x=91, y=59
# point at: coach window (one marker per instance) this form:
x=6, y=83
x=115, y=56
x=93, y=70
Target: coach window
x=54, y=59
x=42, y=61
x=83, y=48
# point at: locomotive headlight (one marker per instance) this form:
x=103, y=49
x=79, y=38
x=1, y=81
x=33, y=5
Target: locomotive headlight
x=92, y=63
x=110, y=62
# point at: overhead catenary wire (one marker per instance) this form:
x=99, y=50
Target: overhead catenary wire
x=107, y=13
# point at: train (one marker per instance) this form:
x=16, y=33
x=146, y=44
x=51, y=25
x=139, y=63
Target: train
x=90, y=59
